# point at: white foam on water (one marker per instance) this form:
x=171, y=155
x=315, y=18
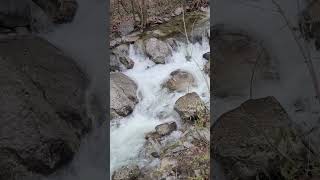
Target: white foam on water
x=155, y=103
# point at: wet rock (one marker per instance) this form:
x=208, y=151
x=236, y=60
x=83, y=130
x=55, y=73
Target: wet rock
x=130, y=172
x=180, y=81
x=157, y=50
x=121, y=50
x=126, y=27
x=62, y=11
x=127, y=62
x=152, y=135
x=139, y=47
x=236, y=57
x=115, y=42
x=206, y=68
x=44, y=113
x=115, y=64
x=260, y=133
x=206, y=56
x=152, y=146
x=172, y=43
x=155, y=155
x=123, y=95
x=190, y=107
x=166, y=128
x=119, y=59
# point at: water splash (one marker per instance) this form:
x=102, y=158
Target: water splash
x=156, y=105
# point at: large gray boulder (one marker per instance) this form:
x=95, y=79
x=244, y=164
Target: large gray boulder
x=43, y=114
x=190, y=107
x=157, y=50
x=239, y=62
x=180, y=81
x=258, y=139
x=123, y=95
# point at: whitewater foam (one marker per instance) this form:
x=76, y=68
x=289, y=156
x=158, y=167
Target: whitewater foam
x=155, y=104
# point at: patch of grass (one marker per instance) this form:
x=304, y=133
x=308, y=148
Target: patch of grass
x=175, y=26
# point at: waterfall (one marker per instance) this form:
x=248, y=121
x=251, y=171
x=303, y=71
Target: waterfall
x=127, y=139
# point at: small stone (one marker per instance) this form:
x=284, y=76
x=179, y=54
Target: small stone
x=206, y=68
x=152, y=135
x=126, y=27
x=206, y=56
x=166, y=19
x=180, y=81
x=158, y=33
x=187, y=145
x=121, y=50
x=197, y=172
x=167, y=163
x=166, y=128
x=178, y=11
x=130, y=39
x=172, y=43
x=127, y=62
x=155, y=155
x=129, y=172
x=178, y=149
x=114, y=63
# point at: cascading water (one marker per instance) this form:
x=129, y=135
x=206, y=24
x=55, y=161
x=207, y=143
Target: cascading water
x=155, y=103
x=83, y=40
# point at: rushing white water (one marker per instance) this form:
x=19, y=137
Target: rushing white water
x=83, y=40
x=155, y=103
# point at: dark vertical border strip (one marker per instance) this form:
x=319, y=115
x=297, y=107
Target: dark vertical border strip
x=107, y=75
x=212, y=22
